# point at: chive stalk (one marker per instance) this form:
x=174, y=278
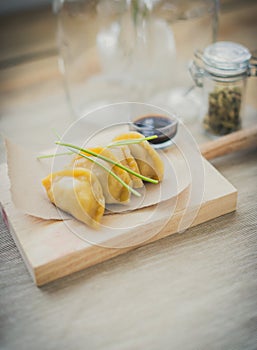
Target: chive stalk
x=110, y=172
x=131, y=141
x=54, y=155
x=114, y=144
x=70, y=146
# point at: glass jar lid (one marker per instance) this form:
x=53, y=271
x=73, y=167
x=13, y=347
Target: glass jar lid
x=226, y=58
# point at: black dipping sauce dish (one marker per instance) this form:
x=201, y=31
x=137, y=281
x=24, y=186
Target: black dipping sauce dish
x=164, y=127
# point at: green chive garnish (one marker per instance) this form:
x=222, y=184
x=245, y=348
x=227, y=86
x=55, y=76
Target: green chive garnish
x=54, y=155
x=70, y=146
x=131, y=141
x=113, y=144
x=110, y=172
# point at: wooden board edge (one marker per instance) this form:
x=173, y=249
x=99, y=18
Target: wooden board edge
x=17, y=243
x=77, y=261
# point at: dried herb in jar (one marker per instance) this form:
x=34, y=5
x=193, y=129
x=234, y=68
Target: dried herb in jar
x=223, y=115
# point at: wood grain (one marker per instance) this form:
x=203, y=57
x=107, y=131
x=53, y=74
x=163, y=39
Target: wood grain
x=51, y=250
x=240, y=140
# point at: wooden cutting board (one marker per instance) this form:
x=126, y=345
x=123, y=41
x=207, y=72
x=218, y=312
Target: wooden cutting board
x=51, y=251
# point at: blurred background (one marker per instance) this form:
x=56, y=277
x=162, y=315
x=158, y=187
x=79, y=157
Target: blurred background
x=53, y=59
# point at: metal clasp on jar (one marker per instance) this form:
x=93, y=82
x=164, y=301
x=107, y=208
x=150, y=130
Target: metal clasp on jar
x=195, y=70
x=253, y=65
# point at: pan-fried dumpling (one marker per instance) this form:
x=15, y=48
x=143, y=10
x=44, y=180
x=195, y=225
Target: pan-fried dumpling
x=113, y=190
x=125, y=157
x=148, y=160
x=78, y=192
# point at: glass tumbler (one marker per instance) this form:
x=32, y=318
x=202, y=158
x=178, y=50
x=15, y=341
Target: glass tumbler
x=130, y=50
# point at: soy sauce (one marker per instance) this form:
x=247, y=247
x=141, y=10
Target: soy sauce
x=164, y=127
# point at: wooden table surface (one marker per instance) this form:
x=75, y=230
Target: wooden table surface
x=197, y=290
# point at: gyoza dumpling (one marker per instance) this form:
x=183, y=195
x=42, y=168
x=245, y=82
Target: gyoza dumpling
x=113, y=190
x=125, y=157
x=78, y=192
x=148, y=160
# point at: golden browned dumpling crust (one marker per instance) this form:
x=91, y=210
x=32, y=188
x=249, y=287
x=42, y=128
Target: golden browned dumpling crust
x=148, y=160
x=113, y=190
x=125, y=157
x=78, y=192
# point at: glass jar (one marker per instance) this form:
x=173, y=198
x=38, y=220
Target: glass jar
x=131, y=50
x=222, y=70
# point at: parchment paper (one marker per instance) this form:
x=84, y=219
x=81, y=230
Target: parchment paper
x=26, y=172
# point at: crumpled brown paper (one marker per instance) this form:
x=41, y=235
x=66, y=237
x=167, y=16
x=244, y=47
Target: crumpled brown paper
x=26, y=172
